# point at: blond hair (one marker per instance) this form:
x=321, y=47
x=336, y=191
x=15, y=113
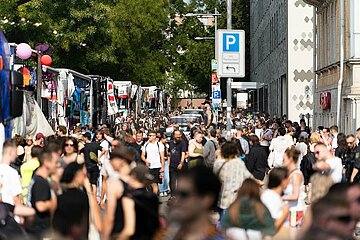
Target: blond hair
x=315, y=138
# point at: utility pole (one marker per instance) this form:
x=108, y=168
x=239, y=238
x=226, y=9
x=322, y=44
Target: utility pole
x=229, y=80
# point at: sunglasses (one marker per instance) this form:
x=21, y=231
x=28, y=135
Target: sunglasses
x=317, y=152
x=182, y=194
x=350, y=142
x=344, y=219
x=67, y=145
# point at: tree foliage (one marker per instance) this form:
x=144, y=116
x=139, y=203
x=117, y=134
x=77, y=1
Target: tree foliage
x=121, y=39
x=145, y=41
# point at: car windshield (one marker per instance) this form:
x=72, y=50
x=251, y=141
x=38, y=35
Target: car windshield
x=182, y=120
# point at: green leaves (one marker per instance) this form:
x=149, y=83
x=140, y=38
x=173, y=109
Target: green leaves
x=121, y=39
x=145, y=41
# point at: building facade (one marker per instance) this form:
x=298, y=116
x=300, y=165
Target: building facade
x=282, y=46
x=328, y=13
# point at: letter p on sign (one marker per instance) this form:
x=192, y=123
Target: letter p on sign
x=231, y=42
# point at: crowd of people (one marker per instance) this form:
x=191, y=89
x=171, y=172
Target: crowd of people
x=267, y=178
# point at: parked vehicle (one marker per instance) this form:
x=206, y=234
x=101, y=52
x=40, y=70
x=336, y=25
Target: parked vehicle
x=194, y=111
x=198, y=117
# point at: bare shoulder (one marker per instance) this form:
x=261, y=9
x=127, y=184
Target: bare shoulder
x=115, y=186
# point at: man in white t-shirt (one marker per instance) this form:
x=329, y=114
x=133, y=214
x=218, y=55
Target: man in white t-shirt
x=10, y=185
x=271, y=197
x=153, y=156
x=9, y=177
x=328, y=163
x=277, y=148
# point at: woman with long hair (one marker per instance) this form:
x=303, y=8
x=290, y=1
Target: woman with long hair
x=306, y=165
x=232, y=172
x=294, y=193
x=239, y=148
x=70, y=152
x=247, y=217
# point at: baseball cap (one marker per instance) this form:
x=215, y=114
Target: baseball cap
x=39, y=136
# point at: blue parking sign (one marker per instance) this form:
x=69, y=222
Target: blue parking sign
x=216, y=94
x=231, y=42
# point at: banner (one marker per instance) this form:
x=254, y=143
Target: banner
x=111, y=103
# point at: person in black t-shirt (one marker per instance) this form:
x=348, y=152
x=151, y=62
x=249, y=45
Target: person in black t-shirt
x=42, y=197
x=138, y=145
x=90, y=152
x=177, y=151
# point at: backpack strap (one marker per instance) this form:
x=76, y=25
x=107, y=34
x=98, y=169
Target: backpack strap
x=213, y=144
x=222, y=166
x=157, y=143
x=145, y=149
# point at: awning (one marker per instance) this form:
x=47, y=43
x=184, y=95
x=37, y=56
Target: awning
x=246, y=85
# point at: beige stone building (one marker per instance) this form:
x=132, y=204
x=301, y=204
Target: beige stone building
x=328, y=67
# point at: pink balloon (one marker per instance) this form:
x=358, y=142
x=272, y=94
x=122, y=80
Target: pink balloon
x=23, y=51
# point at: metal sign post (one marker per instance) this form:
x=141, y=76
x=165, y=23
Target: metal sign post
x=229, y=80
x=230, y=55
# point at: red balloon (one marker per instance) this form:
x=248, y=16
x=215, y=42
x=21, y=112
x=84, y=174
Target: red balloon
x=46, y=60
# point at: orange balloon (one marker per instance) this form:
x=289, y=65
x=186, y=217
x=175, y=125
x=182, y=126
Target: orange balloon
x=46, y=60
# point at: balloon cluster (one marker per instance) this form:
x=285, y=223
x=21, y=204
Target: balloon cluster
x=24, y=51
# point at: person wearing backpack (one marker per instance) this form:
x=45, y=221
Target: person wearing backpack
x=90, y=153
x=209, y=149
x=153, y=156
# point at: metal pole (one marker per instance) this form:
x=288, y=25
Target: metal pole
x=229, y=14
x=91, y=112
x=216, y=58
x=39, y=81
x=215, y=20
x=229, y=80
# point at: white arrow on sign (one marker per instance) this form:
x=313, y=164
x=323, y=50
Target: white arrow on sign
x=231, y=68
